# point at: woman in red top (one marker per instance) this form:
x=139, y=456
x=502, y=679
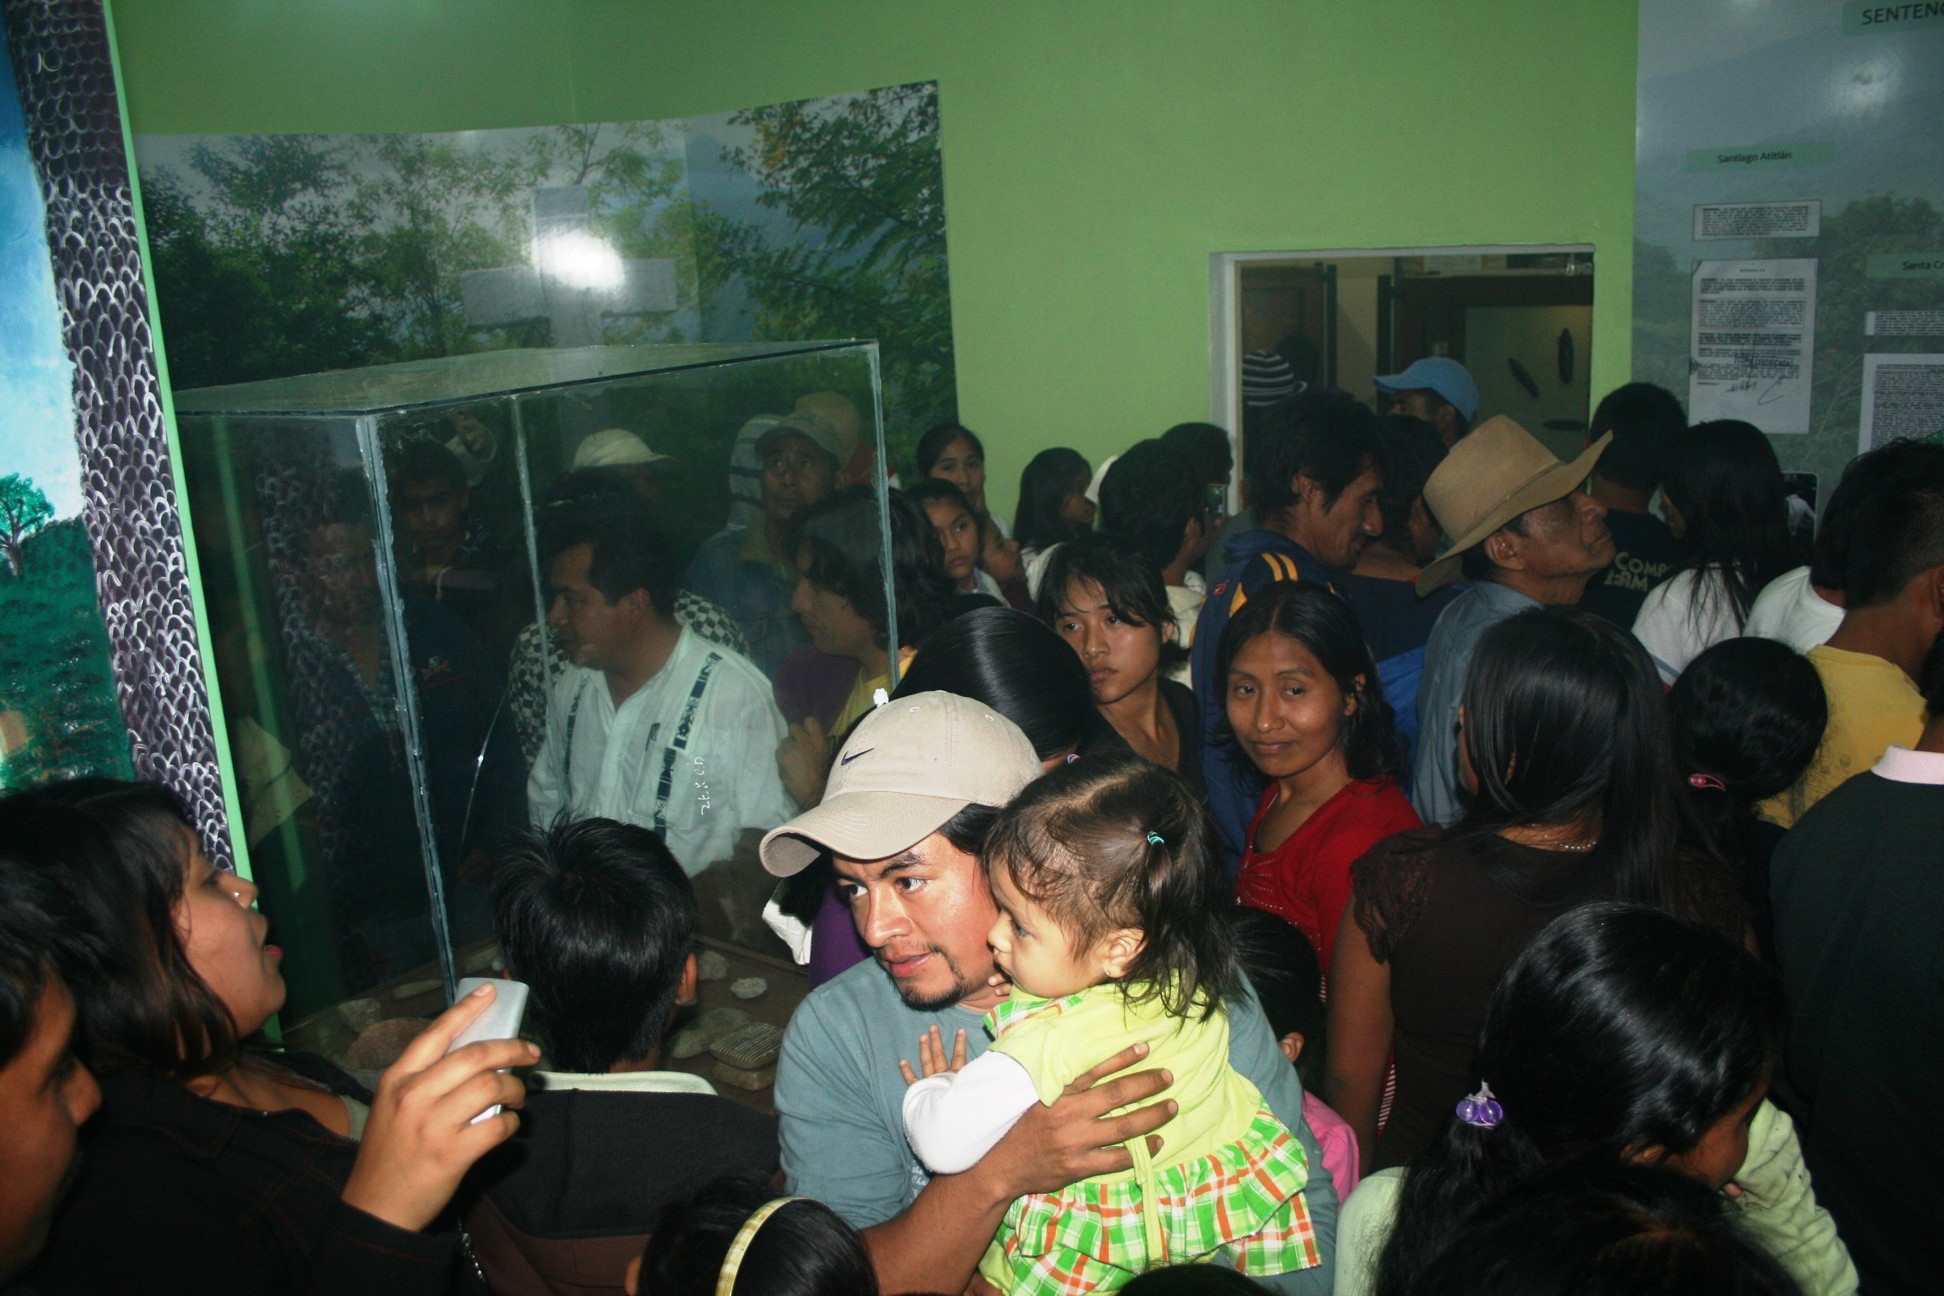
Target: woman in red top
x=1304, y=705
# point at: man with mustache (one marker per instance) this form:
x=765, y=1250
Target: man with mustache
x=652, y=724
x=904, y=817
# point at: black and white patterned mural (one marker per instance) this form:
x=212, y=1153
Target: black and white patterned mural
x=63, y=68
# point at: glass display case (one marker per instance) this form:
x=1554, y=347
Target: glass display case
x=374, y=557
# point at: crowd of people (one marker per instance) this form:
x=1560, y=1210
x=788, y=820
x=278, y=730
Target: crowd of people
x=1462, y=870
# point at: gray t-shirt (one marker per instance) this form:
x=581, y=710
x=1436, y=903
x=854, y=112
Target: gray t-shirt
x=840, y=1102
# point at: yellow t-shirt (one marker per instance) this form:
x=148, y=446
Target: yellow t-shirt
x=1872, y=705
x=863, y=696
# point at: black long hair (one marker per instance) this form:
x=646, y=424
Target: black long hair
x=1014, y=663
x=838, y=542
x=1727, y=483
x=1608, y=1231
x=1322, y=623
x=803, y=1249
x=123, y=857
x=1566, y=722
x=1049, y=477
x=1748, y=715
x=1618, y=1030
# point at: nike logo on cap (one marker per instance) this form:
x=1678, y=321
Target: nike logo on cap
x=848, y=757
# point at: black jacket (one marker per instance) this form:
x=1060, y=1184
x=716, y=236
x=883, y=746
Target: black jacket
x=183, y=1194
x=562, y=1206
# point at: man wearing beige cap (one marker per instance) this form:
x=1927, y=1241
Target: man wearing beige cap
x=1524, y=536
x=626, y=457
x=743, y=569
x=904, y=817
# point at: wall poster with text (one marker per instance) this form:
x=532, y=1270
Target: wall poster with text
x=1789, y=219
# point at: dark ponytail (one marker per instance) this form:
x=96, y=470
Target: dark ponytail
x=1617, y=1030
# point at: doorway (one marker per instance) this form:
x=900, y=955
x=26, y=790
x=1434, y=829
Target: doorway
x=1520, y=318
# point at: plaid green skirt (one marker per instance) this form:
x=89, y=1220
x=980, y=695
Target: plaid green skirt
x=1241, y=1206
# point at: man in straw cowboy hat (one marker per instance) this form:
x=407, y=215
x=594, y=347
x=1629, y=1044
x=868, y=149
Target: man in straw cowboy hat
x=1524, y=536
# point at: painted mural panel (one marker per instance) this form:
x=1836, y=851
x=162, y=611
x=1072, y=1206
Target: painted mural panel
x=58, y=712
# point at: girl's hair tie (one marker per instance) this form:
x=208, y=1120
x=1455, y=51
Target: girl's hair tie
x=1155, y=838
x=1706, y=783
x=1481, y=1109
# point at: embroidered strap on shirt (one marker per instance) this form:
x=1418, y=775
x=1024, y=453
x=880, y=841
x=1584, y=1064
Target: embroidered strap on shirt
x=665, y=787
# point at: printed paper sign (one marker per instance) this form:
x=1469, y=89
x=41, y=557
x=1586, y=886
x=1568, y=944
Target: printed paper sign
x=1903, y=323
x=1752, y=333
x=1903, y=396
x=1799, y=219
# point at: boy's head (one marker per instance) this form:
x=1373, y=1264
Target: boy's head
x=45, y=1094
x=1155, y=505
x=598, y=919
x=1288, y=982
x=1646, y=422
x=1898, y=533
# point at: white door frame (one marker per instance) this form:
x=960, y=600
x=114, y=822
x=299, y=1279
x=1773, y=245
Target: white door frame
x=1225, y=320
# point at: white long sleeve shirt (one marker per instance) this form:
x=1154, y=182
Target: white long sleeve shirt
x=691, y=753
x=954, y=1118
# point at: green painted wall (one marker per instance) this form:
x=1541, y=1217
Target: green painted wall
x=1096, y=151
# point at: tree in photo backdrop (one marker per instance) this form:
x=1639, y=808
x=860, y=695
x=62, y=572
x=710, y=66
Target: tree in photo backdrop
x=291, y=254
x=284, y=255
x=861, y=179
x=100, y=670
x=24, y=509
x=60, y=718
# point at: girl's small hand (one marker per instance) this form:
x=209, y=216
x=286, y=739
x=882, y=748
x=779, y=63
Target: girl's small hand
x=931, y=1055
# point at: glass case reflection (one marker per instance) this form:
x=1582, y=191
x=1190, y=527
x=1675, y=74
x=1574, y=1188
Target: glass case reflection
x=391, y=560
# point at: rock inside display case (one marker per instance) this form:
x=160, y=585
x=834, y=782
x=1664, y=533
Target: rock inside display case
x=415, y=577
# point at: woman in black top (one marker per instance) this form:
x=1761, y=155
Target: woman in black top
x=1565, y=747
x=219, y=1165
x=1748, y=715
x=1112, y=609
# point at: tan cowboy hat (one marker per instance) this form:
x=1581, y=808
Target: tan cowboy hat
x=1490, y=477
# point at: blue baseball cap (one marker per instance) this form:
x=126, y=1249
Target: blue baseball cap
x=1444, y=376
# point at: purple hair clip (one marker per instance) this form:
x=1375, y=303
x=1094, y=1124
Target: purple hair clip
x=1481, y=1109
x=1706, y=783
